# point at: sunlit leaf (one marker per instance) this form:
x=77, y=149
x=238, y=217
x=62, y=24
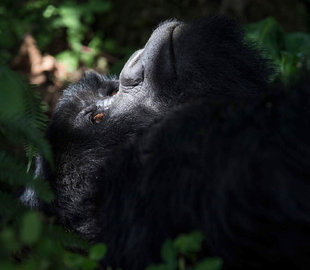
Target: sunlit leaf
x=73, y=260
x=97, y=252
x=70, y=59
x=30, y=228
x=89, y=264
x=168, y=252
x=209, y=264
x=8, y=240
x=189, y=243
x=11, y=99
x=298, y=43
x=269, y=34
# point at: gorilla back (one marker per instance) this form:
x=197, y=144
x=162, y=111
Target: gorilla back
x=194, y=139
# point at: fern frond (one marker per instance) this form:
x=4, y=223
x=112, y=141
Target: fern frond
x=9, y=207
x=34, y=113
x=22, y=118
x=34, y=109
x=19, y=130
x=15, y=174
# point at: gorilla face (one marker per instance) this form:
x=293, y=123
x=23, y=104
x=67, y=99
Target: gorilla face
x=138, y=82
x=183, y=62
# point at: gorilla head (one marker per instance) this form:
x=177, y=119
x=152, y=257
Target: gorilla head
x=187, y=142
x=188, y=61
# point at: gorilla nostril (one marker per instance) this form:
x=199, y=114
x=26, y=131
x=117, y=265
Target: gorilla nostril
x=133, y=71
x=113, y=93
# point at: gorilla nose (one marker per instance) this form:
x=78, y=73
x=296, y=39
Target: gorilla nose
x=156, y=59
x=159, y=55
x=132, y=73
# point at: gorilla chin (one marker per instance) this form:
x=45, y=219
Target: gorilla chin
x=192, y=137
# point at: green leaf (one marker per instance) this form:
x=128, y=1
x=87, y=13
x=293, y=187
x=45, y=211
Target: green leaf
x=7, y=265
x=30, y=228
x=298, y=43
x=8, y=240
x=88, y=59
x=70, y=59
x=269, y=34
x=20, y=130
x=49, y=247
x=99, y=6
x=11, y=99
x=67, y=239
x=73, y=260
x=89, y=264
x=70, y=16
x=9, y=207
x=209, y=264
x=21, y=117
x=289, y=67
x=14, y=173
x=97, y=252
x=31, y=264
x=169, y=252
x=189, y=243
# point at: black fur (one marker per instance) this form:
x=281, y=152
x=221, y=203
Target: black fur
x=195, y=140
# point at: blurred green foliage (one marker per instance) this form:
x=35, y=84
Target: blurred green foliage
x=289, y=51
x=182, y=254
x=76, y=20
x=75, y=33
x=66, y=29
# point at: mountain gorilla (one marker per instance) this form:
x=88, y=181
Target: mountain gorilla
x=191, y=138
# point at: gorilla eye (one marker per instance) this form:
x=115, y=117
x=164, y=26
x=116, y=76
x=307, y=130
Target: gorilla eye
x=97, y=118
x=114, y=92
